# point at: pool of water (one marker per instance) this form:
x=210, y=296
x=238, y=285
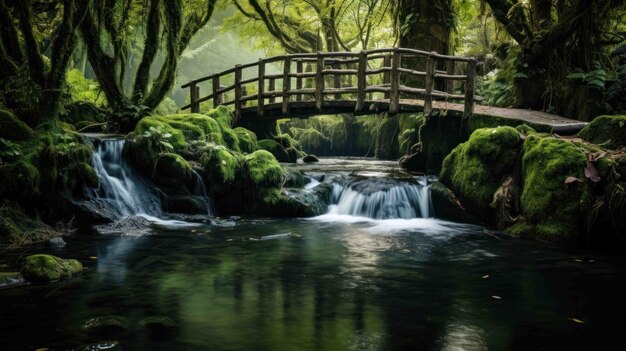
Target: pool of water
x=329, y=283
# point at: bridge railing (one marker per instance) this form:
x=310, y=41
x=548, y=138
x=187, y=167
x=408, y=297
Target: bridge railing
x=439, y=81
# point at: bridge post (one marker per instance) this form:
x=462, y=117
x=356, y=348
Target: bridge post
x=286, y=84
x=261, y=89
x=450, y=72
x=194, y=94
x=237, y=91
x=299, y=70
x=386, y=78
x=394, y=96
x=319, y=82
x=216, y=86
x=429, y=83
x=272, y=90
x=361, y=82
x=470, y=87
x=337, y=80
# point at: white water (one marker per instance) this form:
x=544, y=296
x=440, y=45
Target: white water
x=200, y=190
x=378, y=198
x=124, y=194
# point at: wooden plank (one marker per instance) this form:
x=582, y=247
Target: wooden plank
x=429, y=83
x=299, y=70
x=470, y=85
x=319, y=83
x=361, y=82
x=394, y=96
x=216, y=87
x=272, y=89
x=194, y=92
x=238, y=91
x=412, y=72
x=286, y=84
x=261, y=89
x=387, y=75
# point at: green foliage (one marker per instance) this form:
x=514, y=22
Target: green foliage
x=9, y=150
x=263, y=169
x=78, y=88
x=595, y=78
x=221, y=164
x=158, y=139
x=12, y=127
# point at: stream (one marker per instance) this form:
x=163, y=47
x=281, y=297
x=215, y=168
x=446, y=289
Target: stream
x=364, y=276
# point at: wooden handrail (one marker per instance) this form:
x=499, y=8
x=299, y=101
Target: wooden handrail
x=322, y=68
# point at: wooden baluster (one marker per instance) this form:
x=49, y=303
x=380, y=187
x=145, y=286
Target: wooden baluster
x=237, y=92
x=261, y=89
x=450, y=71
x=299, y=70
x=286, y=84
x=361, y=82
x=319, y=82
x=394, y=96
x=272, y=90
x=470, y=85
x=386, y=75
x=337, y=81
x=429, y=83
x=194, y=94
x=244, y=93
x=216, y=86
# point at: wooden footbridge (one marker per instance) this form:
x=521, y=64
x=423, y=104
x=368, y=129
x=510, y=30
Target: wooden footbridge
x=365, y=82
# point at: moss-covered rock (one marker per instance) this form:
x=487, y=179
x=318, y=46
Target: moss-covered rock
x=18, y=228
x=553, y=210
x=275, y=149
x=221, y=164
x=172, y=170
x=82, y=114
x=247, y=140
x=45, y=268
x=447, y=206
x=263, y=169
x=475, y=169
x=110, y=325
x=12, y=128
x=222, y=115
x=607, y=131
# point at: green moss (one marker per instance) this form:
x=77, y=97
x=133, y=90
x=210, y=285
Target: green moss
x=231, y=140
x=387, y=139
x=484, y=121
x=88, y=175
x=45, y=268
x=475, y=169
x=221, y=164
x=274, y=148
x=12, y=128
x=247, y=140
x=524, y=129
x=263, y=169
x=20, y=180
x=607, y=131
x=311, y=139
x=83, y=113
x=18, y=228
x=172, y=170
x=553, y=207
x=176, y=138
x=222, y=115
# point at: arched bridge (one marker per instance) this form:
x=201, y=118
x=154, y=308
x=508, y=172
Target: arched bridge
x=365, y=82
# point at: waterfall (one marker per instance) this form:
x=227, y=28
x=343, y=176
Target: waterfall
x=121, y=191
x=380, y=198
x=200, y=190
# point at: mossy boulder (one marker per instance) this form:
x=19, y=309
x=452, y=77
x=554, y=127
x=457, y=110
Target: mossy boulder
x=17, y=227
x=263, y=169
x=45, y=268
x=294, y=202
x=221, y=164
x=172, y=170
x=276, y=149
x=475, y=169
x=607, y=131
x=310, y=159
x=247, y=140
x=12, y=128
x=447, y=206
x=82, y=114
x=553, y=209
x=20, y=181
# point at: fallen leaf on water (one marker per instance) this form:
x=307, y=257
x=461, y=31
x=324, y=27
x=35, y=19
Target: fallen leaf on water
x=577, y=321
x=496, y=297
x=485, y=276
x=570, y=180
x=93, y=257
x=578, y=260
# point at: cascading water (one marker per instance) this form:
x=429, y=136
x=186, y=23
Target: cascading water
x=380, y=198
x=200, y=190
x=121, y=192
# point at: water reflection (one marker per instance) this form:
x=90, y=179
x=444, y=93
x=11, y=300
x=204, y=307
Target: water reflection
x=329, y=286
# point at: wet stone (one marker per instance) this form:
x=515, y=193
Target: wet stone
x=107, y=325
x=159, y=326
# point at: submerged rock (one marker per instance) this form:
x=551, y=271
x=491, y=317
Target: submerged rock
x=57, y=243
x=101, y=346
x=107, y=325
x=45, y=268
x=447, y=206
x=159, y=326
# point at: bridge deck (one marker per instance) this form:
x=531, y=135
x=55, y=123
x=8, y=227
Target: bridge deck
x=305, y=109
